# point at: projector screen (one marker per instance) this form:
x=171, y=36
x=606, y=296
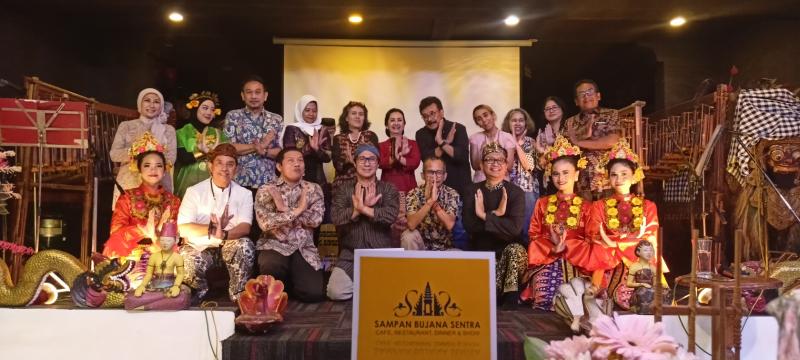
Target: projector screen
x=386, y=77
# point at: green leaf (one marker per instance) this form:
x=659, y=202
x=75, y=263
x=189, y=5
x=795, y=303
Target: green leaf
x=534, y=349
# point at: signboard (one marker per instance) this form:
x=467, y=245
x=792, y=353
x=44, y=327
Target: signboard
x=424, y=305
x=62, y=123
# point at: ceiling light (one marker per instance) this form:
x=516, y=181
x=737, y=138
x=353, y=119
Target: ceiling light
x=511, y=20
x=355, y=19
x=677, y=21
x=175, y=17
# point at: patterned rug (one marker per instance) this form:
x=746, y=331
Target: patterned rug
x=322, y=331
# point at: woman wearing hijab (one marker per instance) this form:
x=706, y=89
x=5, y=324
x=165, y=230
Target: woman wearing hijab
x=195, y=139
x=152, y=119
x=307, y=135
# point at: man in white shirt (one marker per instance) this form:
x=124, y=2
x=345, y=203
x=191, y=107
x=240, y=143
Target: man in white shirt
x=215, y=218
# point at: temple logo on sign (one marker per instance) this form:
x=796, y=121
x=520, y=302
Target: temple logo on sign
x=427, y=303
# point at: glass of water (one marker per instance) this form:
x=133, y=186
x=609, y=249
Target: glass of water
x=705, y=268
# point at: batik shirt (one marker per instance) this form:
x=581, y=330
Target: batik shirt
x=244, y=127
x=607, y=123
x=525, y=179
x=285, y=233
x=433, y=232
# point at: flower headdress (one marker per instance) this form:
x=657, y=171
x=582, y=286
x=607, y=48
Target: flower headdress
x=146, y=142
x=195, y=100
x=620, y=150
x=562, y=147
x=493, y=147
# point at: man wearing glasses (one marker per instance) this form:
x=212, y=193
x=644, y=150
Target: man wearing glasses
x=431, y=210
x=594, y=130
x=444, y=139
x=363, y=211
x=494, y=211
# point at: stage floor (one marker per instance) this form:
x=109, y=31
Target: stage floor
x=322, y=331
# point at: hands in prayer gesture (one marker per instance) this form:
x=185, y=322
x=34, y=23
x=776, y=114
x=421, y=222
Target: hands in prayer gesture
x=219, y=223
x=558, y=237
x=155, y=219
x=480, y=210
x=431, y=192
x=314, y=141
x=264, y=143
x=451, y=135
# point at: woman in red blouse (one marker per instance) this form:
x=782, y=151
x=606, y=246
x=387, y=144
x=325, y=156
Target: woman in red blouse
x=140, y=212
x=558, y=249
x=399, y=159
x=623, y=219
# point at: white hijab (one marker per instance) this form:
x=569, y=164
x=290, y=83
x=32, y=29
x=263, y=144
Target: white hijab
x=298, y=115
x=157, y=126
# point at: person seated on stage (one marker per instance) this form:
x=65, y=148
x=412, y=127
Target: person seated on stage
x=431, y=210
x=494, y=210
x=142, y=210
x=152, y=119
x=288, y=212
x=594, y=130
x=363, y=211
x=200, y=135
x=162, y=287
x=215, y=219
x=621, y=220
x=558, y=250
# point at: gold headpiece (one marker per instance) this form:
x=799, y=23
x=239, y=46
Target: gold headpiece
x=493, y=147
x=146, y=142
x=562, y=147
x=195, y=99
x=620, y=150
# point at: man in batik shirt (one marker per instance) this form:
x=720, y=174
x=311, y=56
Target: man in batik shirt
x=431, y=210
x=594, y=130
x=288, y=211
x=254, y=132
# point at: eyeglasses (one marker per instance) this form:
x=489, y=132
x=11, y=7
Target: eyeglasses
x=366, y=160
x=587, y=93
x=494, y=161
x=551, y=108
x=434, y=172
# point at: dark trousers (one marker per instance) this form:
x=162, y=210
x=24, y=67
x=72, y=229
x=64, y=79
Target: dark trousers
x=304, y=282
x=255, y=229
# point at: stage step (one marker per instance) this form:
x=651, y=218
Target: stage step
x=68, y=333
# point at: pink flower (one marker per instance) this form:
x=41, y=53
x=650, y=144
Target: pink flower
x=142, y=149
x=160, y=148
x=577, y=347
x=632, y=337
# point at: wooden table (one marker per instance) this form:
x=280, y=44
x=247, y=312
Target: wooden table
x=726, y=341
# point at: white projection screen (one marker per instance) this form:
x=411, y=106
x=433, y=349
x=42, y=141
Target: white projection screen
x=385, y=77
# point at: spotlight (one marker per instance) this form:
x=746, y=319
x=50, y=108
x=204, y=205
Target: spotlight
x=677, y=21
x=511, y=20
x=175, y=17
x=355, y=19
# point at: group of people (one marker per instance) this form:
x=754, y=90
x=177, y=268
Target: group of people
x=479, y=193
